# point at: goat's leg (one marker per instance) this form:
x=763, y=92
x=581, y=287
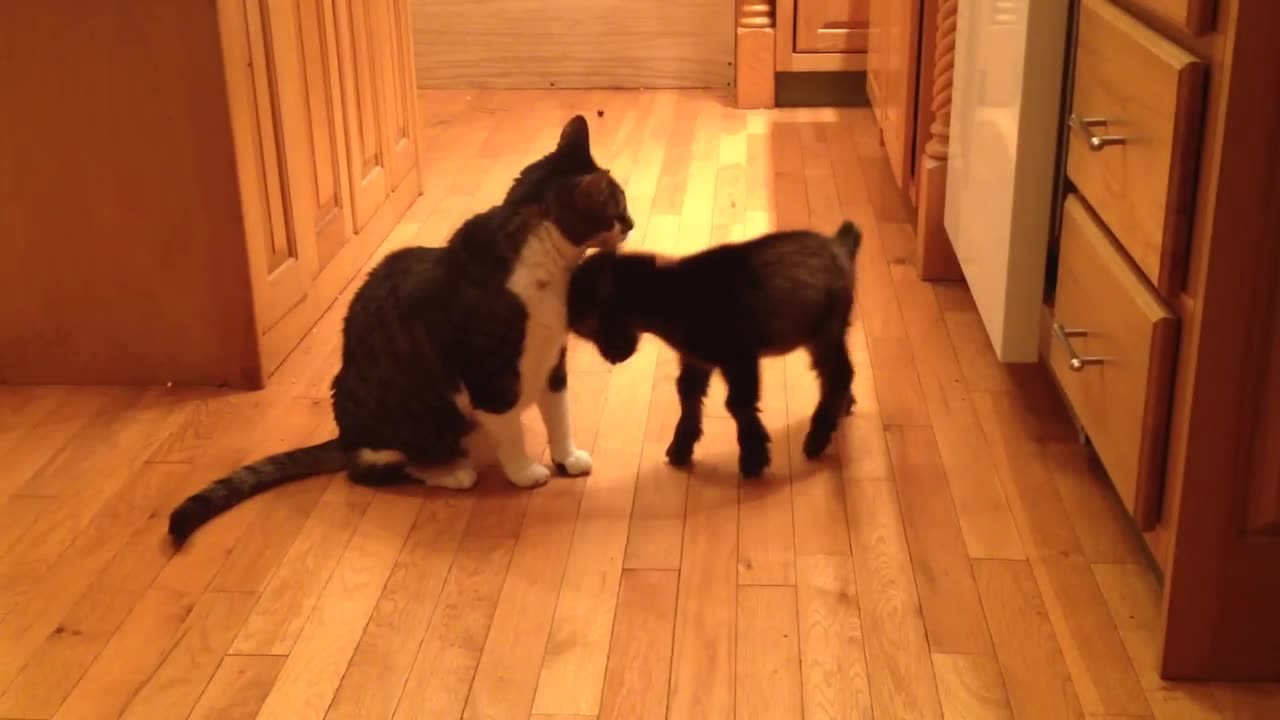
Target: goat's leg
x=743, y=379
x=692, y=388
x=835, y=372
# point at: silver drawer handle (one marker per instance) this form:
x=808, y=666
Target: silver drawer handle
x=1085, y=127
x=1076, y=362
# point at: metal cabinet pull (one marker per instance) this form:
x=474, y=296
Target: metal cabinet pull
x=1085, y=126
x=1076, y=362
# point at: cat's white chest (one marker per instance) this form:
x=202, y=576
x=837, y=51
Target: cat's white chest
x=541, y=280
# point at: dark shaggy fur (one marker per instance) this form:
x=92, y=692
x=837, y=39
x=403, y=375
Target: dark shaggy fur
x=429, y=322
x=725, y=308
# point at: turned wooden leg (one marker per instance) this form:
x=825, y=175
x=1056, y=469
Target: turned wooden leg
x=935, y=256
x=753, y=66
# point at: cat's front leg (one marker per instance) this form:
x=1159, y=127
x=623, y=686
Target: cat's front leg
x=495, y=395
x=553, y=405
x=508, y=438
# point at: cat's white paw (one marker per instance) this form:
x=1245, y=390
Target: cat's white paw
x=530, y=476
x=463, y=477
x=577, y=463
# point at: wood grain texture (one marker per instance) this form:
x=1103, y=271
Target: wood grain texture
x=768, y=663
x=639, y=669
x=893, y=626
x=948, y=598
x=971, y=686
x=832, y=659
x=1035, y=673
x=433, y=603
x=615, y=44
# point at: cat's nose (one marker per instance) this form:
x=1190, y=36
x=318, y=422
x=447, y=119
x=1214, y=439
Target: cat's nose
x=625, y=224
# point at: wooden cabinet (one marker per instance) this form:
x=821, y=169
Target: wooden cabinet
x=240, y=161
x=1170, y=136
x=893, y=69
x=796, y=36
x=1137, y=100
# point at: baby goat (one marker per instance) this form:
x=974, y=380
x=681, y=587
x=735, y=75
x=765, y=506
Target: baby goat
x=726, y=308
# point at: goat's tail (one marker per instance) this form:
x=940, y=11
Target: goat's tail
x=848, y=238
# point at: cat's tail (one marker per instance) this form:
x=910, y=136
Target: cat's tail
x=848, y=238
x=249, y=480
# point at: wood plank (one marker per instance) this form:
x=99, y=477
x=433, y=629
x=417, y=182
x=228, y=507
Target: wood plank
x=572, y=677
x=327, y=640
x=507, y=673
x=948, y=598
x=897, y=383
x=69, y=642
x=982, y=369
x=238, y=688
x=657, y=515
x=36, y=434
x=817, y=496
x=1132, y=594
x=768, y=664
x=1106, y=530
x=161, y=621
x=287, y=600
x=1103, y=676
x=971, y=686
x=703, y=658
x=833, y=660
x=766, y=530
x=902, y=682
x=450, y=651
x=176, y=685
x=981, y=507
x=382, y=659
x=639, y=669
x=1035, y=672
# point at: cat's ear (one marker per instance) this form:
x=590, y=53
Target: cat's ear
x=574, y=137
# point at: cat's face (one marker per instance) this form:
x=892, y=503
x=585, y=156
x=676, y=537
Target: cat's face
x=592, y=212
x=583, y=200
x=597, y=312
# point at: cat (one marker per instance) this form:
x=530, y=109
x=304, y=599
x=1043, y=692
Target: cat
x=444, y=347
x=725, y=308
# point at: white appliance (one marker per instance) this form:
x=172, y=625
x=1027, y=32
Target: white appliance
x=1005, y=113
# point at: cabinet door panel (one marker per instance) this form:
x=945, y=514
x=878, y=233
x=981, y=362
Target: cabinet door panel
x=832, y=25
x=358, y=60
x=391, y=22
x=328, y=193
x=283, y=263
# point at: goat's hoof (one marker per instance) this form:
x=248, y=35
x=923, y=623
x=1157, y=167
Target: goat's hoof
x=680, y=453
x=816, y=443
x=752, y=463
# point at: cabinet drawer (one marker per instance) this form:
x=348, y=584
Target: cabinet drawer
x=1135, y=136
x=832, y=25
x=1112, y=353
x=1194, y=15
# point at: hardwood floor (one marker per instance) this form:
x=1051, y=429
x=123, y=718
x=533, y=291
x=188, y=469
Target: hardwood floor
x=957, y=555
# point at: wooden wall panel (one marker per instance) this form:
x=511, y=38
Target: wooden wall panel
x=574, y=43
